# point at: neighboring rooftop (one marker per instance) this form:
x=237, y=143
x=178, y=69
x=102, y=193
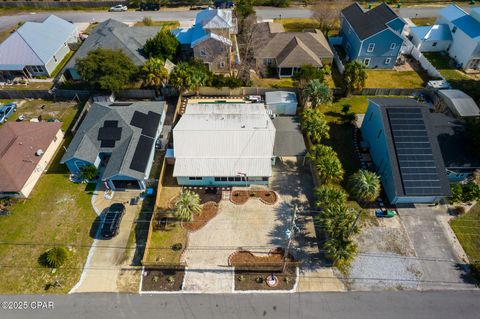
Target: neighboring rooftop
x=223, y=139
x=215, y=18
x=297, y=48
x=19, y=143
x=288, y=137
x=126, y=130
x=367, y=23
x=460, y=103
x=435, y=32
x=115, y=35
x=35, y=43
x=468, y=23
x=275, y=97
x=417, y=163
x=195, y=35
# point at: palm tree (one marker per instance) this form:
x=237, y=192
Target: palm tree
x=187, y=204
x=330, y=195
x=340, y=251
x=317, y=92
x=337, y=221
x=364, y=186
x=315, y=125
x=154, y=73
x=189, y=76
x=327, y=164
x=355, y=75
x=56, y=257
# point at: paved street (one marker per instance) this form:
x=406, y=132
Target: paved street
x=186, y=15
x=364, y=305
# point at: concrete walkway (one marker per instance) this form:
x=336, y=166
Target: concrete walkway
x=105, y=257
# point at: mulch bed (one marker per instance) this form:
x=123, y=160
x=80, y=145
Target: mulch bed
x=246, y=258
x=209, y=211
x=247, y=280
x=206, y=197
x=240, y=197
x=163, y=279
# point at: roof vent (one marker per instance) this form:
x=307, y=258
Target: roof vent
x=39, y=152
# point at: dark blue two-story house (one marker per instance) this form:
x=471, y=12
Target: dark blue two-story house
x=374, y=37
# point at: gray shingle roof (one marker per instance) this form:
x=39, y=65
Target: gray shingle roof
x=86, y=145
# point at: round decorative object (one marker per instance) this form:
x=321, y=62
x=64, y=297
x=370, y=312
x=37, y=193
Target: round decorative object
x=272, y=281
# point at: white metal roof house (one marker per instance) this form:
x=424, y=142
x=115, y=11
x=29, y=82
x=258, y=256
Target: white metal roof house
x=223, y=144
x=36, y=48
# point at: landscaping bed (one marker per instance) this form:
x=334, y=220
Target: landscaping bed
x=163, y=279
x=240, y=197
x=248, y=280
x=246, y=258
x=209, y=211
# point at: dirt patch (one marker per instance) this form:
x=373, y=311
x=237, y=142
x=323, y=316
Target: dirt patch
x=246, y=280
x=246, y=258
x=129, y=280
x=240, y=197
x=209, y=211
x=163, y=279
x=208, y=195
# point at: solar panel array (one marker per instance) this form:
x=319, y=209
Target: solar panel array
x=415, y=158
x=149, y=125
x=142, y=154
x=147, y=122
x=109, y=134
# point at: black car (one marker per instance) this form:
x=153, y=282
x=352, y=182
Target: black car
x=112, y=220
x=149, y=6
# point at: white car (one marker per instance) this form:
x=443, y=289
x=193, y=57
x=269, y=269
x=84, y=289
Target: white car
x=118, y=8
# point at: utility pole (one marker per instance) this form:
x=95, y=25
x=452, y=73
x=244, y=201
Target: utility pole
x=289, y=233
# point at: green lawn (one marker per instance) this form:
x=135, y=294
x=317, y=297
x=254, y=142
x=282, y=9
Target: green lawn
x=457, y=78
x=466, y=229
x=394, y=79
x=273, y=82
x=64, y=111
x=297, y=24
x=160, y=250
x=423, y=21
x=332, y=111
x=165, y=24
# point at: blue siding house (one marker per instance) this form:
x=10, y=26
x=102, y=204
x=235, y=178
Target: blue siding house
x=374, y=37
x=405, y=151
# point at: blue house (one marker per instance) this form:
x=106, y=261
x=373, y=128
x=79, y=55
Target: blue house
x=374, y=36
x=405, y=151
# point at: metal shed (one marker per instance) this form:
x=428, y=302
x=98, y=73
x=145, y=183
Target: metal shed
x=459, y=103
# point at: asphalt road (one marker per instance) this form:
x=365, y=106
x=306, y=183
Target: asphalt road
x=365, y=305
x=132, y=16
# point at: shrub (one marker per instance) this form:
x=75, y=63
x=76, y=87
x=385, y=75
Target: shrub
x=241, y=278
x=147, y=21
x=155, y=278
x=177, y=246
x=259, y=280
x=56, y=256
x=171, y=279
x=88, y=172
x=457, y=193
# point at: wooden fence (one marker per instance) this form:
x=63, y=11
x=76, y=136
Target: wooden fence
x=241, y=91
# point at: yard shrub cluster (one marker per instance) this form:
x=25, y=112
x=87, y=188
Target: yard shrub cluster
x=464, y=193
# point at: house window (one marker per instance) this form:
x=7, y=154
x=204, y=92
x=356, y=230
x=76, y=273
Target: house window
x=221, y=65
x=454, y=29
x=379, y=133
x=388, y=60
x=267, y=61
x=370, y=118
x=195, y=178
x=366, y=61
x=392, y=46
x=224, y=179
x=434, y=44
x=203, y=52
x=371, y=47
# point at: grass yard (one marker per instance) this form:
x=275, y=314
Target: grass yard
x=297, y=24
x=273, y=82
x=457, y=78
x=393, y=79
x=64, y=111
x=423, y=21
x=164, y=24
x=465, y=228
x=332, y=111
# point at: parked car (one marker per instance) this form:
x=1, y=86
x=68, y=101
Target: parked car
x=113, y=218
x=149, y=6
x=118, y=8
x=6, y=111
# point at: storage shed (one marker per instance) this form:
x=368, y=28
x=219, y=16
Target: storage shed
x=282, y=102
x=461, y=104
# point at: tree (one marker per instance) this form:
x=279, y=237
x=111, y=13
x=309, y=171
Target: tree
x=341, y=252
x=355, y=75
x=327, y=13
x=315, y=125
x=457, y=193
x=88, y=172
x=307, y=73
x=280, y=3
x=163, y=45
x=317, y=93
x=472, y=132
x=106, y=69
x=364, y=186
x=330, y=195
x=244, y=8
x=56, y=256
x=471, y=192
x=347, y=116
x=154, y=72
x=187, y=76
x=327, y=164
x=187, y=204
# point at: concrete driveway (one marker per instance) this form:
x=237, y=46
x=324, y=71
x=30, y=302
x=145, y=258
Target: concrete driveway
x=105, y=258
x=432, y=240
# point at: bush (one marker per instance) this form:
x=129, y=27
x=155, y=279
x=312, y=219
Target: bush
x=259, y=280
x=241, y=278
x=171, y=279
x=177, y=246
x=457, y=193
x=88, y=172
x=56, y=257
x=147, y=21
x=471, y=192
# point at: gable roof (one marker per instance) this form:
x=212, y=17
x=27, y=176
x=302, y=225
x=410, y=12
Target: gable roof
x=367, y=23
x=18, y=145
x=115, y=35
x=215, y=18
x=462, y=20
x=223, y=139
x=35, y=43
x=196, y=34
x=297, y=48
x=122, y=129
x=437, y=32
x=415, y=157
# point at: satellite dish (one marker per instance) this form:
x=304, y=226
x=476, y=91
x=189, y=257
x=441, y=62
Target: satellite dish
x=39, y=152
